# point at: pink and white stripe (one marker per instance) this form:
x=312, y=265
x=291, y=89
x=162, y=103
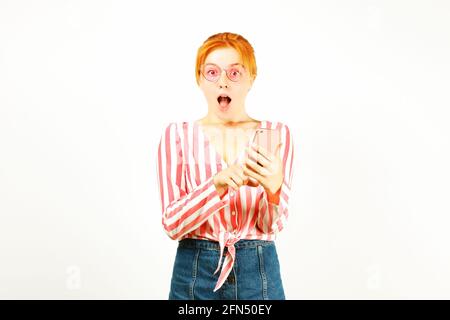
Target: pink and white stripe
x=191, y=206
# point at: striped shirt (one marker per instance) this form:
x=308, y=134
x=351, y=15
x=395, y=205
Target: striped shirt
x=191, y=206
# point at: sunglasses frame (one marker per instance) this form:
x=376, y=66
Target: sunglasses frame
x=222, y=70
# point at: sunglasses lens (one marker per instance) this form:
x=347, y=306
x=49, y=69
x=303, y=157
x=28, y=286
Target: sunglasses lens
x=211, y=72
x=235, y=73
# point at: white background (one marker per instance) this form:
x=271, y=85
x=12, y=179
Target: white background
x=86, y=88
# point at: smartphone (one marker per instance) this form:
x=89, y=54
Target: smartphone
x=267, y=138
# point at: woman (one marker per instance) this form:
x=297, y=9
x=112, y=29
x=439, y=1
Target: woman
x=219, y=209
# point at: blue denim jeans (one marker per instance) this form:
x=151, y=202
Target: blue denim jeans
x=255, y=274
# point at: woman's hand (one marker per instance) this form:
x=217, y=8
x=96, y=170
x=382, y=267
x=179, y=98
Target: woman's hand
x=233, y=176
x=267, y=169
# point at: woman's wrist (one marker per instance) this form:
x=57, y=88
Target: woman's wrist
x=273, y=198
x=220, y=189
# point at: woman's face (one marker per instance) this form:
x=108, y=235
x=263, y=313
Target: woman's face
x=225, y=58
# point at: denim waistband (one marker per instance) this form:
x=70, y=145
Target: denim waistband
x=214, y=245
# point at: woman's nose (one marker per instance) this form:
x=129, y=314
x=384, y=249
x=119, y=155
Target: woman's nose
x=223, y=79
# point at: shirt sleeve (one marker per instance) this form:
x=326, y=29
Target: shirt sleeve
x=272, y=217
x=182, y=211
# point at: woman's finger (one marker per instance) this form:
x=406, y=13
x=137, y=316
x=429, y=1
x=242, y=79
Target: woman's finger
x=252, y=182
x=239, y=171
x=231, y=183
x=253, y=174
x=236, y=178
x=262, y=151
x=269, y=155
x=257, y=168
x=259, y=158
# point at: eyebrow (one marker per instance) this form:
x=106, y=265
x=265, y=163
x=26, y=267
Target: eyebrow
x=232, y=64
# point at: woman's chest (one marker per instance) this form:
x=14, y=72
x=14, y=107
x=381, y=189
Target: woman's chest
x=227, y=143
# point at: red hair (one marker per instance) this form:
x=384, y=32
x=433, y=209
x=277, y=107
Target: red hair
x=227, y=40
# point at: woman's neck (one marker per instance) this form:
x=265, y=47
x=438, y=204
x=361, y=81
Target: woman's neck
x=213, y=120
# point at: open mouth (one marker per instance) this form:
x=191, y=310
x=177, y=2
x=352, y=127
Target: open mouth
x=223, y=100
